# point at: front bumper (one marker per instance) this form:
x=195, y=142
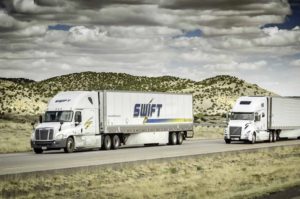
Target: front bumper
x=48, y=144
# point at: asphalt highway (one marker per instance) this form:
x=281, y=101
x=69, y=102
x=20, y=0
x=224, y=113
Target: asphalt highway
x=16, y=163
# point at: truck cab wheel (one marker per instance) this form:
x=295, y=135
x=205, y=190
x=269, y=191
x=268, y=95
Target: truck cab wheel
x=274, y=137
x=253, y=141
x=107, y=142
x=115, y=142
x=38, y=150
x=271, y=137
x=227, y=141
x=179, y=138
x=172, y=138
x=70, y=145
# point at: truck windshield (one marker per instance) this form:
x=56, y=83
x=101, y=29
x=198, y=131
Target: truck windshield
x=242, y=116
x=57, y=116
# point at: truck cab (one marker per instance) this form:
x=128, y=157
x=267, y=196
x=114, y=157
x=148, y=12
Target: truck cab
x=70, y=117
x=248, y=120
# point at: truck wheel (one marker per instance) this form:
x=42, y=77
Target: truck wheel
x=253, y=138
x=69, y=145
x=179, y=138
x=38, y=150
x=271, y=137
x=274, y=137
x=227, y=141
x=172, y=138
x=107, y=143
x=115, y=142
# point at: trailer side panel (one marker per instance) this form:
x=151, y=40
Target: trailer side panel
x=285, y=113
x=135, y=112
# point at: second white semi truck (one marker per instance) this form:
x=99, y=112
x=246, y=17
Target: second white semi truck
x=264, y=119
x=108, y=119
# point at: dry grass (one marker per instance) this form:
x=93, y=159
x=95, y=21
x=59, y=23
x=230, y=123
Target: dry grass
x=14, y=136
x=208, y=132
x=242, y=175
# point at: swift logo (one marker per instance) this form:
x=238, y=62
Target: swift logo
x=147, y=110
x=88, y=123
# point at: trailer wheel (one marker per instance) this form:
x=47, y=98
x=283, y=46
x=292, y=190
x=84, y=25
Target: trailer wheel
x=253, y=138
x=38, y=150
x=70, y=145
x=179, y=138
x=172, y=138
x=107, y=142
x=115, y=142
x=227, y=141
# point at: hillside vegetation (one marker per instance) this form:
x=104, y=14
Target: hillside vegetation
x=214, y=96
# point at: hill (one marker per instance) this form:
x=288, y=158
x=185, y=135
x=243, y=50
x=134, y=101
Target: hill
x=213, y=96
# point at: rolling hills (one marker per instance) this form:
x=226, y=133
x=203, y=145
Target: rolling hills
x=213, y=96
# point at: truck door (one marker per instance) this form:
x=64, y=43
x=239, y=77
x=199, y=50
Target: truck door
x=88, y=121
x=89, y=127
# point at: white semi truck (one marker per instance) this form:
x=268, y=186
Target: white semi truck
x=108, y=119
x=264, y=119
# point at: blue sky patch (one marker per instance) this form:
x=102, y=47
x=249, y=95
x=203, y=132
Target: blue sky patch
x=61, y=27
x=292, y=20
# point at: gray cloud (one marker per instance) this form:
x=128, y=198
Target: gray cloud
x=148, y=38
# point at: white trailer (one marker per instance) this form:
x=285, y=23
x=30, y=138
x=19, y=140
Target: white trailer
x=264, y=119
x=108, y=119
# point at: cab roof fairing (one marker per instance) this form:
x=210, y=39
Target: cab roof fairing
x=71, y=100
x=254, y=106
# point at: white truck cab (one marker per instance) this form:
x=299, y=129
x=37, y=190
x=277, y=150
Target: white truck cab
x=63, y=120
x=248, y=120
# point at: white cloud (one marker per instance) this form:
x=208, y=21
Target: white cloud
x=295, y=62
x=147, y=38
x=235, y=66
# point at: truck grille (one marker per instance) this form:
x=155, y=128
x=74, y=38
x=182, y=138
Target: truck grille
x=44, y=134
x=235, y=131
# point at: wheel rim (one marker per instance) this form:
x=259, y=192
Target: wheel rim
x=116, y=142
x=174, y=138
x=180, y=137
x=107, y=142
x=70, y=145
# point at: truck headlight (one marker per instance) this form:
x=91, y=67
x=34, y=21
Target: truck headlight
x=225, y=131
x=33, y=136
x=59, y=137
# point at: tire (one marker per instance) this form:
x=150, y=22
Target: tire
x=38, y=150
x=253, y=138
x=179, y=138
x=70, y=145
x=227, y=141
x=115, y=142
x=107, y=142
x=172, y=138
x=274, y=137
x=271, y=137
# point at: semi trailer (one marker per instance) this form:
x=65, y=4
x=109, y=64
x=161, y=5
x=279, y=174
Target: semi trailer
x=255, y=119
x=77, y=120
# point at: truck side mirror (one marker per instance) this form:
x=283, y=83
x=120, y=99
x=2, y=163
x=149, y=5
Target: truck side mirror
x=41, y=119
x=256, y=118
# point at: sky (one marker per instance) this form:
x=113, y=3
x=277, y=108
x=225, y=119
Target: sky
x=258, y=41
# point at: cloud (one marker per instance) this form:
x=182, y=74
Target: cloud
x=144, y=37
x=235, y=66
x=295, y=62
